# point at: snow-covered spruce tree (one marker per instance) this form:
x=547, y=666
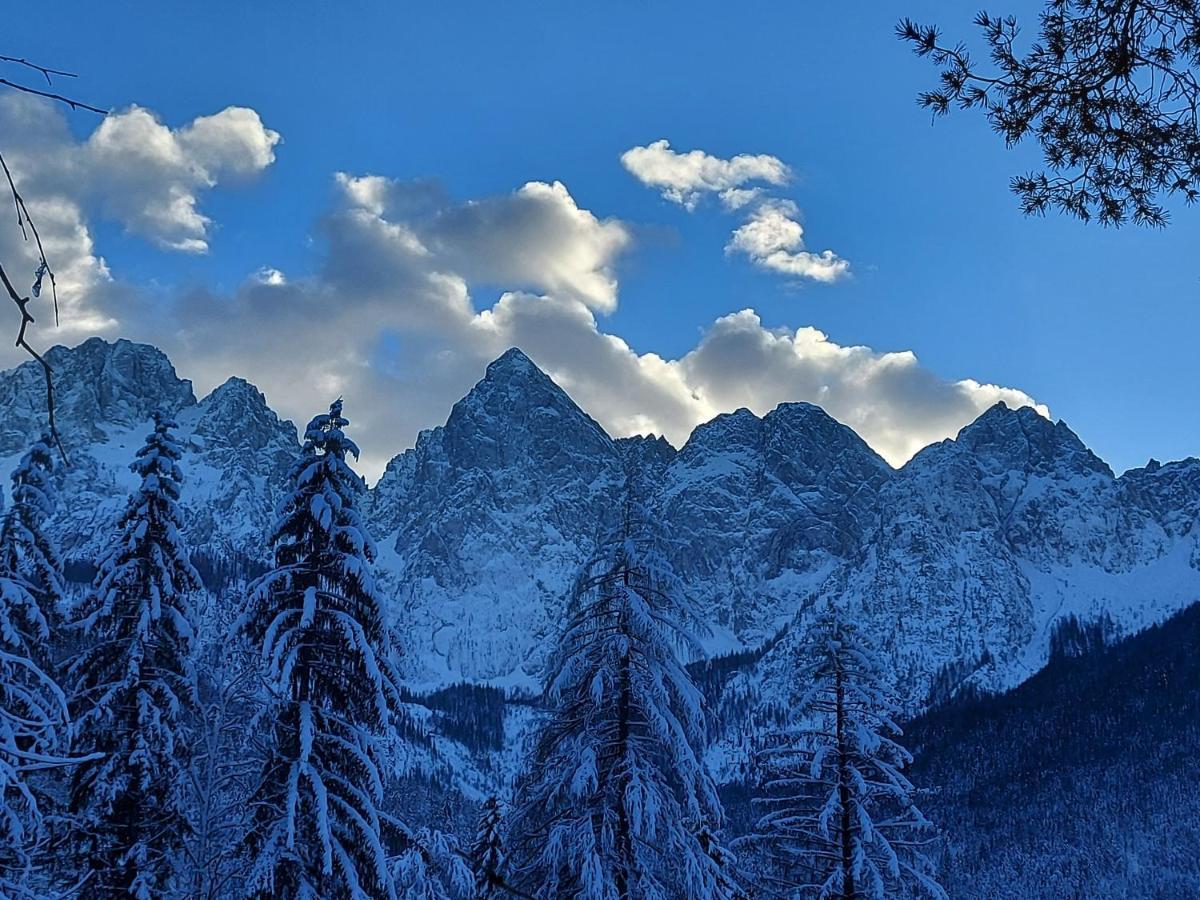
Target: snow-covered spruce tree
x=33, y=718
x=837, y=813
x=488, y=856
x=133, y=688
x=615, y=790
x=724, y=865
x=30, y=555
x=317, y=830
x=224, y=769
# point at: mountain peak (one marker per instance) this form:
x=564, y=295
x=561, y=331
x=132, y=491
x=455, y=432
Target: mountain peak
x=99, y=385
x=808, y=416
x=513, y=363
x=236, y=414
x=234, y=387
x=514, y=404
x=1023, y=438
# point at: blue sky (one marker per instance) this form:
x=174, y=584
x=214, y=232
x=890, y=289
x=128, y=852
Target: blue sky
x=482, y=98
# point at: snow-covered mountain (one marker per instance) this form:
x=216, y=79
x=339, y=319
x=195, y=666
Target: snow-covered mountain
x=237, y=451
x=963, y=561
x=759, y=512
x=484, y=523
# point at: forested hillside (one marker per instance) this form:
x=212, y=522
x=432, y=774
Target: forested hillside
x=1082, y=782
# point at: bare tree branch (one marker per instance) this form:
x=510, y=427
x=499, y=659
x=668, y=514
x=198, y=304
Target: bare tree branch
x=26, y=319
x=46, y=72
x=26, y=224
x=23, y=220
x=50, y=95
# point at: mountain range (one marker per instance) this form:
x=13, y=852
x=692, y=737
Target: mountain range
x=963, y=562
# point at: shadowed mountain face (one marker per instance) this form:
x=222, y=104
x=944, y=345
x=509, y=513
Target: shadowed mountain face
x=961, y=562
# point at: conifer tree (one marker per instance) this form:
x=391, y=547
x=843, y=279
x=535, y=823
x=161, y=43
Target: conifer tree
x=616, y=787
x=838, y=818
x=133, y=688
x=488, y=856
x=724, y=863
x=225, y=764
x=33, y=720
x=30, y=555
x=317, y=829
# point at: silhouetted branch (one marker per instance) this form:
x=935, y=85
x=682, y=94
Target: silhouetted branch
x=23, y=220
x=50, y=95
x=46, y=72
x=1109, y=90
x=28, y=227
x=26, y=319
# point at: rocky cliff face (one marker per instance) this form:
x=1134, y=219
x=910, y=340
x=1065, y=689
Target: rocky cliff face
x=961, y=562
x=485, y=522
x=760, y=511
x=980, y=545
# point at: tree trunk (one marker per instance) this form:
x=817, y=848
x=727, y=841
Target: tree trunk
x=624, y=831
x=848, y=890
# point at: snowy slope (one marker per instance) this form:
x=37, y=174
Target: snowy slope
x=759, y=511
x=981, y=544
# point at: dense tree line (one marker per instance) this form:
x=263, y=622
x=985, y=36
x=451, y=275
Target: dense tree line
x=1078, y=783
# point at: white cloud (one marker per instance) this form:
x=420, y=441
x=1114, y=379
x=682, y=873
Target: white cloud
x=684, y=178
x=773, y=239
x=232, y=143
x=896, y=404
x=391, y=319
x=535, y=238
x=271, y=276
x=149, y=177
x=132, y=169
x=390, y=322
x=771, y=235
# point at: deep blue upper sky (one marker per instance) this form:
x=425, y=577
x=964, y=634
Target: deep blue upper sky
x=1100, y=325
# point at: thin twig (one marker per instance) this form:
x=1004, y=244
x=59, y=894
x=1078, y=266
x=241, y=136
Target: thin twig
x=23, y=219
x=26, y=319
x=50, y=95
x=46, y=72
x=44, y=269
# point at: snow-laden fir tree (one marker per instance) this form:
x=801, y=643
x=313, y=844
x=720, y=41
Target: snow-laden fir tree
x=488, y=856
x=33, y=720
x=838, y=818
x=317, y=829
x=226, y=750
x=30, y=555
x=615, y=791
x=133, y=690
x=431, y=866
x=724, y=865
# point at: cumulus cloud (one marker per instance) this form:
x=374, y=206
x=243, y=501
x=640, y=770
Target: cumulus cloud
x=270, y=275
x=771, y=235
x=132, y=169
x=774, y=239
x=684, y=178
x=897, y=405
x=149, y=177
x=390, y=321
x=535, y=238
x=398, y=318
